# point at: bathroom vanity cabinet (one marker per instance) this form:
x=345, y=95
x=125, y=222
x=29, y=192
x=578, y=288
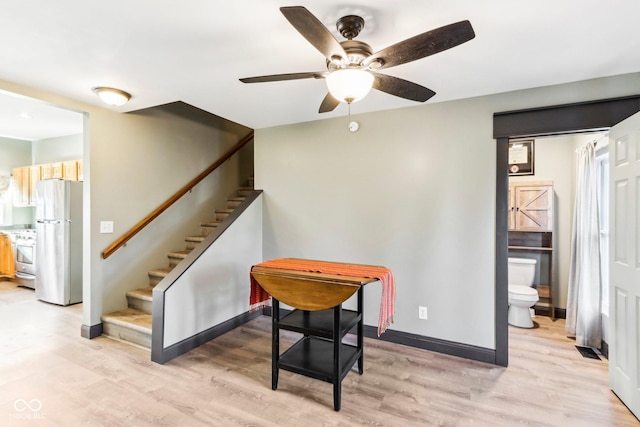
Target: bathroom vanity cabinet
x=531, y=206
x=531, y=219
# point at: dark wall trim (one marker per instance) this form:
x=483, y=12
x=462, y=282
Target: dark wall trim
x=559, y=119
x=568, y=118
x=418, y=341
x=502, y=253
x=451, y=348
x=157, y=328
x=92, y=331
x=560, y=313
x=197, y=340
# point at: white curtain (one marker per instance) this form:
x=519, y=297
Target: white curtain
x=583, y=300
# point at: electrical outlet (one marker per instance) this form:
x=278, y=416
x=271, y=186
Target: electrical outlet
x=106, y=227
x=422, y=313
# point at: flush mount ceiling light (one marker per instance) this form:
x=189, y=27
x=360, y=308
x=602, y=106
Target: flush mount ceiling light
x=111, y=96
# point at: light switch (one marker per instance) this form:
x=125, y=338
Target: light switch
x=106, y=227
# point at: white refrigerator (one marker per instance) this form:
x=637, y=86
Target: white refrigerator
x=58, y=218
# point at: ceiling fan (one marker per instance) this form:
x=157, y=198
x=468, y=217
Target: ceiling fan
x=352, y=68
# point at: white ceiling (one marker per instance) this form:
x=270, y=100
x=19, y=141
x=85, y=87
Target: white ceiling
x=32, y=120
x=195, y=51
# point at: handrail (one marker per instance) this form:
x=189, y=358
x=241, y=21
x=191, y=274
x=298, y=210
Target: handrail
x=171, y=200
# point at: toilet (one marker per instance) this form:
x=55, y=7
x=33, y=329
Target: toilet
x=521, y=294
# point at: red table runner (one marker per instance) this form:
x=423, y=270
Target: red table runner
x=260, y=298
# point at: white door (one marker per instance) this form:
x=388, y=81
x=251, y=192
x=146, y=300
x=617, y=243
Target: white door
x=624, y=262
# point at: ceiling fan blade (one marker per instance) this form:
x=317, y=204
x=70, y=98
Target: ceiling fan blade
x=402, y=88
x=314, y=31
x=423, y=45
x=280, y=77
x=329, y=103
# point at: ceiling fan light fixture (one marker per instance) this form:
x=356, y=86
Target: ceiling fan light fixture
x=337, y=61
x=349, y=85
x=112, y=96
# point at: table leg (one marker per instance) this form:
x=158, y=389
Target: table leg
x=275, y=342
x=337, y=362
x=305, y=321
x=360, y=331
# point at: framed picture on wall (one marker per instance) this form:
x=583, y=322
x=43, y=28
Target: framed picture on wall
x=521, y=157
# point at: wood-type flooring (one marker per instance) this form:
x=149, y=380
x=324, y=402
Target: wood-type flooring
x=50, y=376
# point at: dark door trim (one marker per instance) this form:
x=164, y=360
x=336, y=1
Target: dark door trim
x=553, y=120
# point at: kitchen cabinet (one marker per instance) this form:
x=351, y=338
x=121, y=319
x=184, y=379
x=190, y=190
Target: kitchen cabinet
x=56, y=170
x=60, y=170
x=34, y=177
x=51, y=171
x=21, y=178
x=80, y=170
x=46, y=171
x=70, y=170
x=25, y=179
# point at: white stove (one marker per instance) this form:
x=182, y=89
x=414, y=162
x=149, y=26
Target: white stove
x=25, y=255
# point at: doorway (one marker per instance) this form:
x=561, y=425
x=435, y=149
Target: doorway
x=544, y=121
x=38, y=141
x=554, y=168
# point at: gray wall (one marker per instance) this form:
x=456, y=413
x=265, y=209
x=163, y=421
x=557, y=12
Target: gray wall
x=137, y=161
x=57, y=149
x=413, y=190
x=15, y=153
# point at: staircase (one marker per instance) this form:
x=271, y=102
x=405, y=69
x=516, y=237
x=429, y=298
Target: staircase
x=133, y=324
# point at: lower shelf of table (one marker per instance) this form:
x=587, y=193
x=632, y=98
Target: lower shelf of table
x=313, y=357
x=318, y=323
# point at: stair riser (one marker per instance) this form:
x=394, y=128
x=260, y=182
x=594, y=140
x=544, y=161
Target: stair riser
x=244, y=192
x=139, y=304
x=207, y=230
x=232, y=204
x=191, y=245
x=154, y=280
x=125, y=334
x=174, y=261
x=221, y=216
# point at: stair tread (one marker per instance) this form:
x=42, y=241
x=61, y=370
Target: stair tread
x=224, y=210
x=142, y=293
x=130, y=318
x=236, y=198
x=199, y=238
x=210, y=224
x=179, y=254
x=160, y=271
